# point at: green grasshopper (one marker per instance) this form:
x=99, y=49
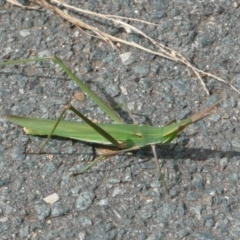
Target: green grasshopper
x=125, y=137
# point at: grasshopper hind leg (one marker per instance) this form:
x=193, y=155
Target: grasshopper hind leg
x=54, y=127
x=88, y=121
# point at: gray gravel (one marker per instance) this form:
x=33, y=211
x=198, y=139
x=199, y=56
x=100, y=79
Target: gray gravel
x=122, y=198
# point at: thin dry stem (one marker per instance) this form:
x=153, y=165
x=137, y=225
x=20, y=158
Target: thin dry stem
x=15, y=2
x=163, y=51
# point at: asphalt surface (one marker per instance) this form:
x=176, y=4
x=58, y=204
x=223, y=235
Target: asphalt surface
x=122, y=197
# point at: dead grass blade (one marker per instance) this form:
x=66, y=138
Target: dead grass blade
x=15, y=2
x=163, y=51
